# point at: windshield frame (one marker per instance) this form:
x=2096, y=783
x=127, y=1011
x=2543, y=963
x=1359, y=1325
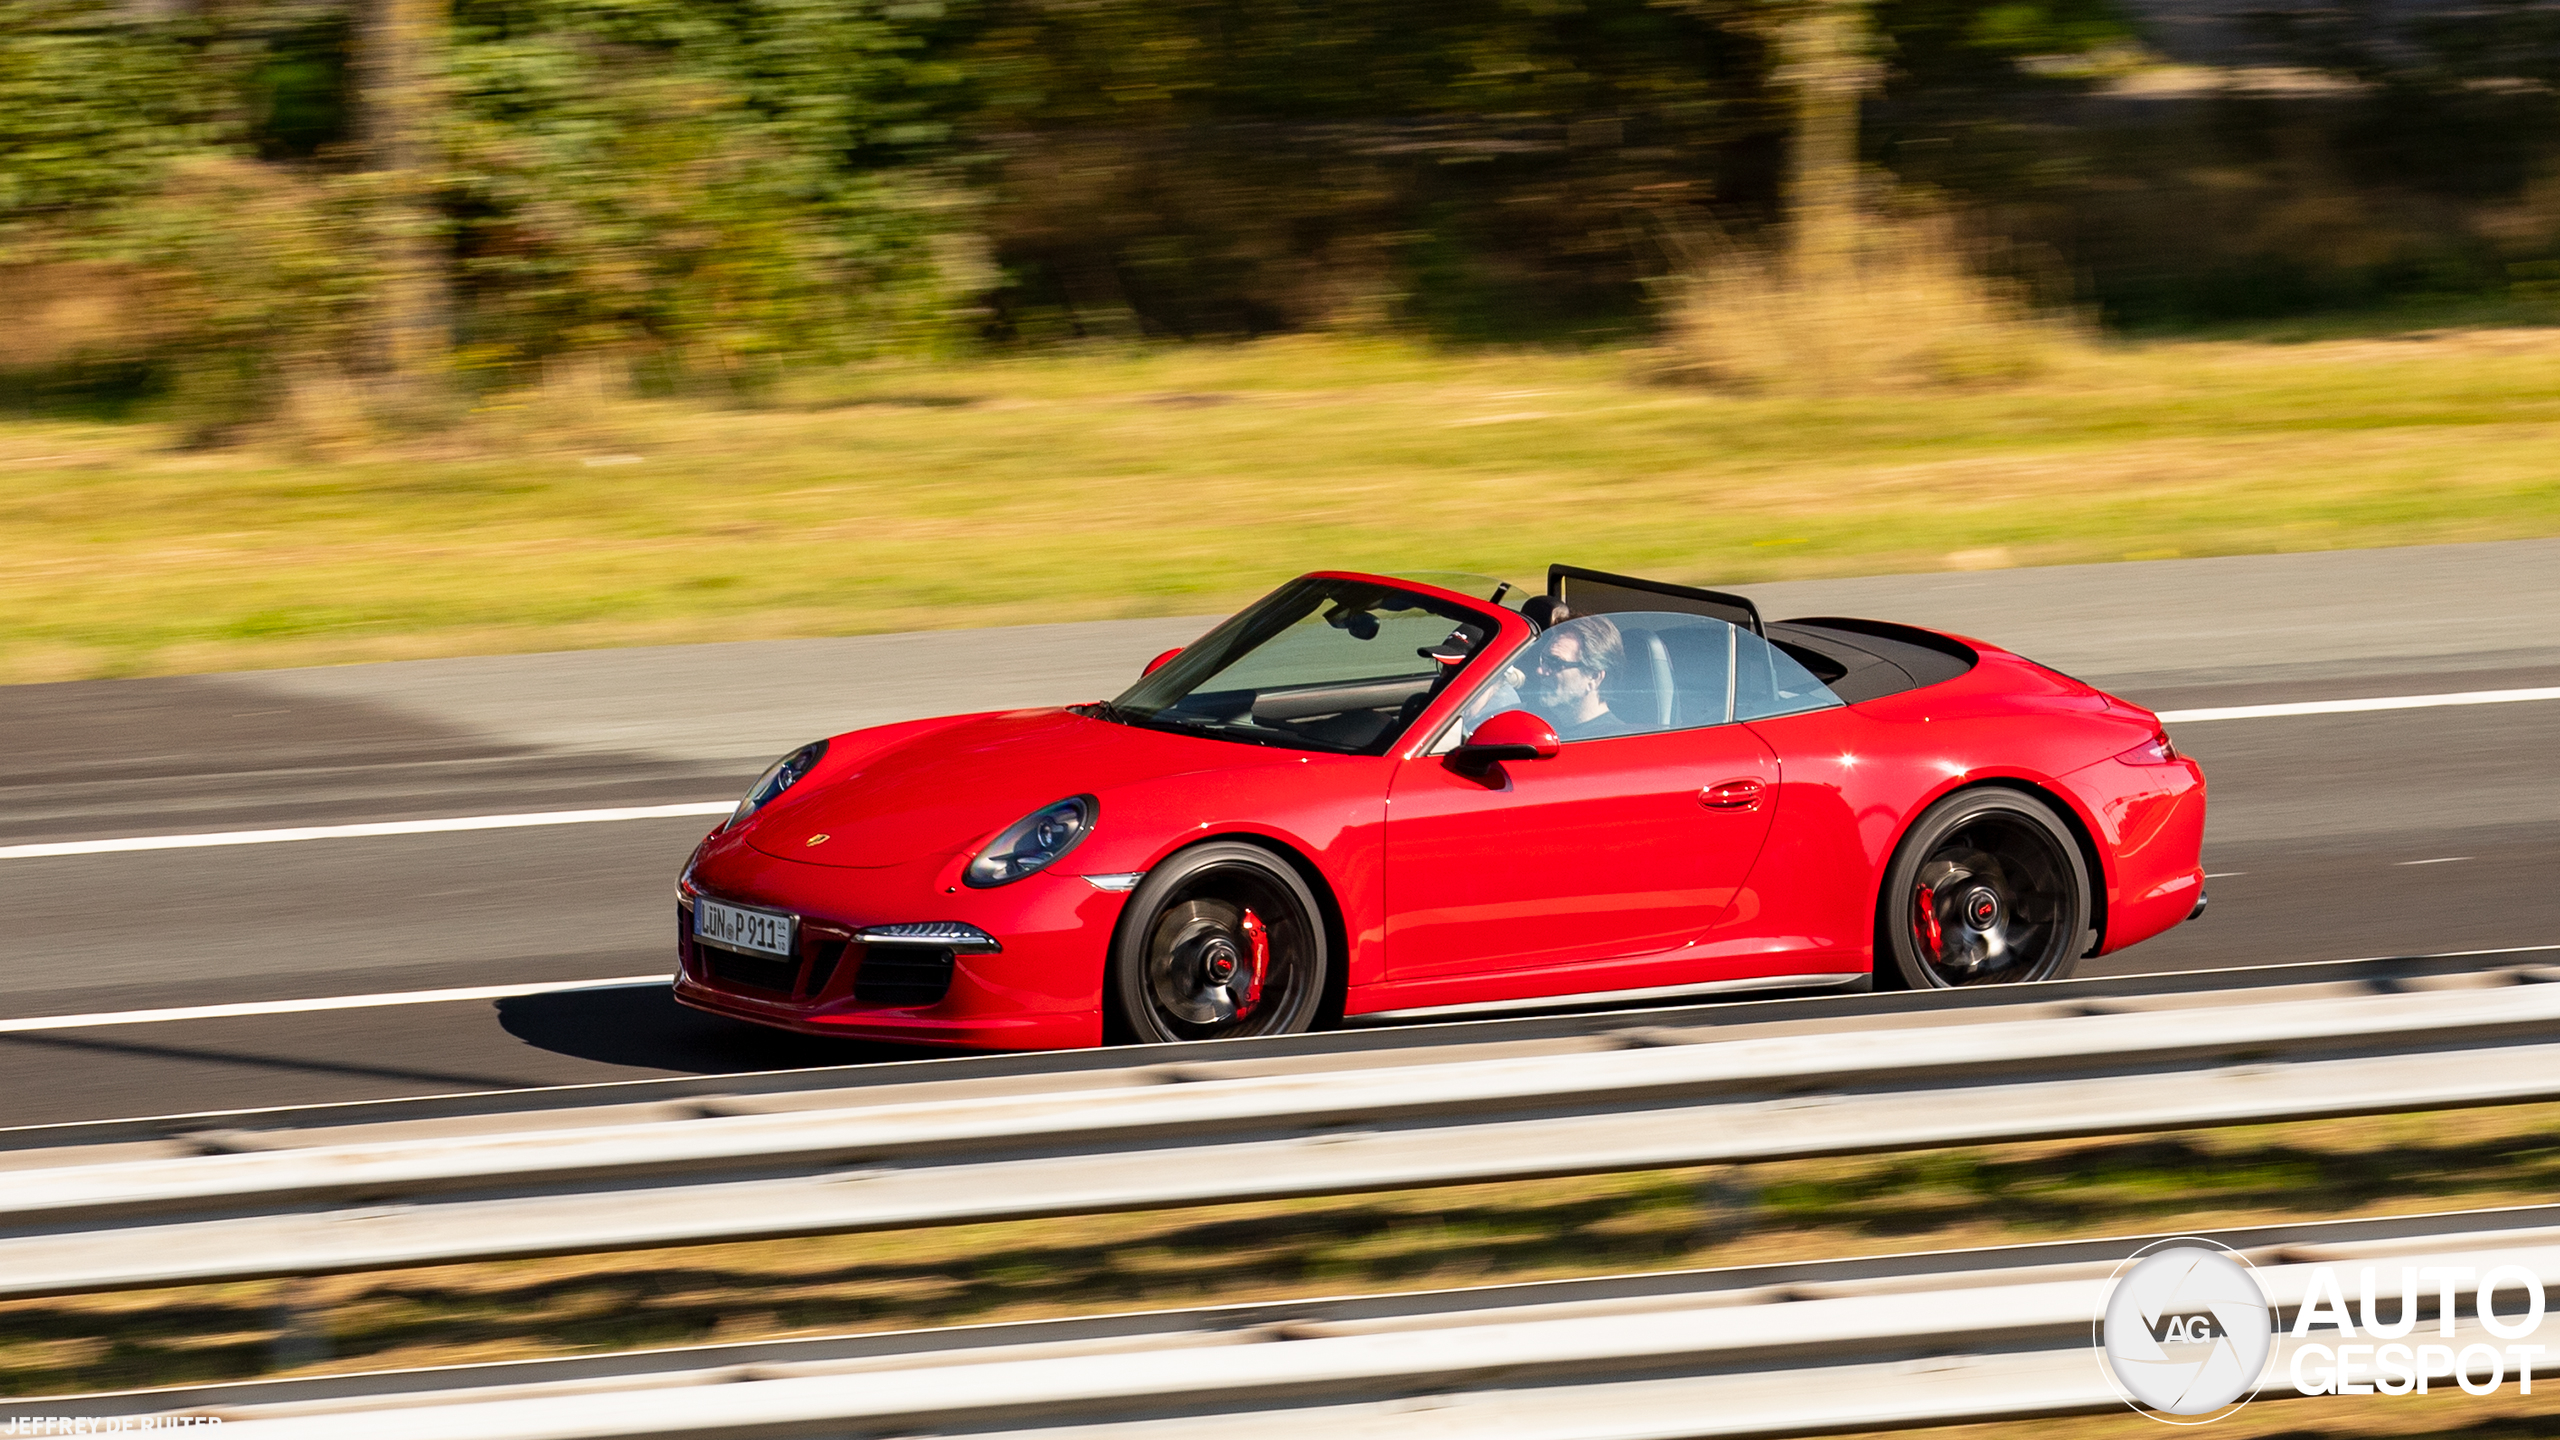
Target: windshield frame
x=1273, y=614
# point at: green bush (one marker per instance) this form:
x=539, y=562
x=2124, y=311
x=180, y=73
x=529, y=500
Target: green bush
x=707, y=193
x=698, y=192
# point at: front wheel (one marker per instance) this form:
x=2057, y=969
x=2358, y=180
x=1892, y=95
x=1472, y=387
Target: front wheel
x=1220, y=941
x=1988, y=888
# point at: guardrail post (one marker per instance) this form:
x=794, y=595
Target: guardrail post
x=1728, y=1203
x=302, y=1336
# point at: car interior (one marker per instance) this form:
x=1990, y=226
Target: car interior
x=1855, y=660
x=1693, y=658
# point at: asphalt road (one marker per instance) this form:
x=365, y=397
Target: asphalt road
x=2331, y=836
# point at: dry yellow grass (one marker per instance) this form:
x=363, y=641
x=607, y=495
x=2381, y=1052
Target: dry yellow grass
x=1906, y=304
x=2442, y=1412
x=1131, y=482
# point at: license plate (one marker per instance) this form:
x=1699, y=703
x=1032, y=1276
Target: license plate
x=759, y=931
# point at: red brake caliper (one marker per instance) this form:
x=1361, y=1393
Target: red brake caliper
x=1259, y=937
x=1928, y=927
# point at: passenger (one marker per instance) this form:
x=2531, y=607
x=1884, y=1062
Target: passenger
x=1572, y=661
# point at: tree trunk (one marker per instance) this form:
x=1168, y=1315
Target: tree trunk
x=399, y=43
x=1828, y=61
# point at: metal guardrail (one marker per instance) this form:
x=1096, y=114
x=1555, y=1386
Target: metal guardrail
x=358, y=1198
x=1567, y=1026
x=1893, y=1341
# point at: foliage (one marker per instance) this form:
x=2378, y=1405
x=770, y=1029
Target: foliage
x=711, y=193
x=2410, y=154
x=93, y=110
x=129, y=190
x=261, y=278
x=713, y=187
x=1503, y=169
x=695, y=189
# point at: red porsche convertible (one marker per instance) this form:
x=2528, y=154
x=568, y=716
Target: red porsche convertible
x=1376, y=796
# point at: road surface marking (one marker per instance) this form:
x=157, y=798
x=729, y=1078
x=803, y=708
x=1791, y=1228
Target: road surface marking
x=353, y=832
x=324, y=1002
x=2353, y=707
x=619, y=982
x=722, y=807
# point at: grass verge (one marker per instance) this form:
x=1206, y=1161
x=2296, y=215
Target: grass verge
x=1404, y=1241
x=1116, y=483
x=2441, y=1414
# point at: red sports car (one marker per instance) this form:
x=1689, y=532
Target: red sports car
x=1375, y=796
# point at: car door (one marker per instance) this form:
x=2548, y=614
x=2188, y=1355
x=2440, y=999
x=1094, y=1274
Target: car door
x=1626, y=845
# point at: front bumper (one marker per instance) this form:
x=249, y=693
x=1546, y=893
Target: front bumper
x=1043, y=990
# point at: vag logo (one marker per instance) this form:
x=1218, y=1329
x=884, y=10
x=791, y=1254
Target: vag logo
x=2187, y=1329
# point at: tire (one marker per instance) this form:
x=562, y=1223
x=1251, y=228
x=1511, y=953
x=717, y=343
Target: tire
x=1987, y=888
x=1183, y=960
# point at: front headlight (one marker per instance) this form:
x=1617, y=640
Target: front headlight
x=781, y=775
x=1032, y=843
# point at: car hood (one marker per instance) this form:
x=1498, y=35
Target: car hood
x=945, y=787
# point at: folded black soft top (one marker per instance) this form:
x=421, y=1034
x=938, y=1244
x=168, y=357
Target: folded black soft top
x=1869, y=659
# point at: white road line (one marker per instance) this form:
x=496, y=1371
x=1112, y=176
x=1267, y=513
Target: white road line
x=722, y=807
x=2353, y=707
x=324, y=1002
x=619, y=982
x=351, y=832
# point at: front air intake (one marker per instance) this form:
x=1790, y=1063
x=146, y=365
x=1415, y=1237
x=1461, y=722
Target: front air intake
x=902, y=975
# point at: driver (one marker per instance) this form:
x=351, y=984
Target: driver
x=1572, y=660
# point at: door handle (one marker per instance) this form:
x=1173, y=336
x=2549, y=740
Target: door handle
x=1732, y=795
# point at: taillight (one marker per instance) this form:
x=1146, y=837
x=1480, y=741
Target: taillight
x=2155, y=751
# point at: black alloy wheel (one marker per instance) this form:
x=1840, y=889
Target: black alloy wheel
x=1222, y=940
x=1988, y=888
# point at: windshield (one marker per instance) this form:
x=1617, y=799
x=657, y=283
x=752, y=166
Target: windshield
x=1467, y=582
x=1335, y=665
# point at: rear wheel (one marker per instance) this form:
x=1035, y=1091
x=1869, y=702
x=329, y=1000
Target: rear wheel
x=1222, y=940
x=1988, y=888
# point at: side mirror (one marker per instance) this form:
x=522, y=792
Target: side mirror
x=1511, y=735
x=1158, y=663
